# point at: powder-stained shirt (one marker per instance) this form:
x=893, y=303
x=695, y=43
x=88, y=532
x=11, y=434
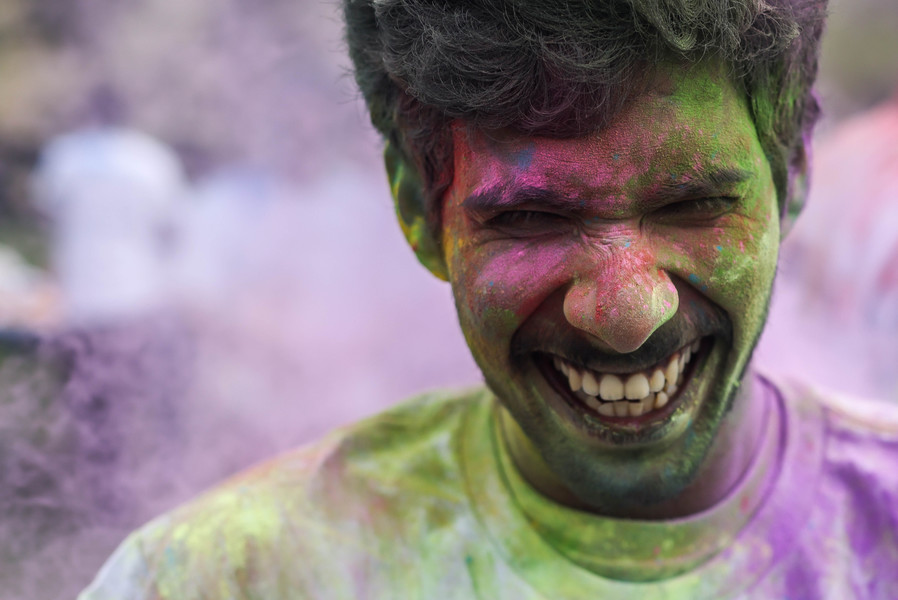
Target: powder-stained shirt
x=423, y=502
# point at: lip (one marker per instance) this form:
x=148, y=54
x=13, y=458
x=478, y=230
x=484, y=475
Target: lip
x=649, y=428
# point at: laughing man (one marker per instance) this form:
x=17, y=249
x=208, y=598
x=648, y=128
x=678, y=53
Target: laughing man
x=605, y=185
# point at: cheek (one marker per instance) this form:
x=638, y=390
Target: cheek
x=734, y=265
x=498, y=285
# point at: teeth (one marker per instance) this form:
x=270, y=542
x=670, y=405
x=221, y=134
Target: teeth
x=611, y=388
x=648, y=403
x=574, y=379
x=656, y=383
x=611, y=395
x=590, y=385
x=673, y=369
x=606, y=409
x=637, y=387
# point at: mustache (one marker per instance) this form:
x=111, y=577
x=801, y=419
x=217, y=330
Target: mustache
x=558, y=337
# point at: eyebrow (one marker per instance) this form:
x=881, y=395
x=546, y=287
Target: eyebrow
x=709, y=183
x=705, y=184
x=501, y=197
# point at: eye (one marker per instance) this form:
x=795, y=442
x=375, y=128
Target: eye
x=528, y=222
x=698, y=209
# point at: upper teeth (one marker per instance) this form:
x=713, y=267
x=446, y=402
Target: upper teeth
x=633, y=394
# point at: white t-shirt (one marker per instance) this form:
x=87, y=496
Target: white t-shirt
x=422, y=501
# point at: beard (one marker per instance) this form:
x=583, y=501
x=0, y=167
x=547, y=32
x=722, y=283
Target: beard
x=634, y=477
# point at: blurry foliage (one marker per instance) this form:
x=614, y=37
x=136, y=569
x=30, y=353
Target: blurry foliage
x=221, y=81
x=858, y=67
x=34, y=76
x=229, y=81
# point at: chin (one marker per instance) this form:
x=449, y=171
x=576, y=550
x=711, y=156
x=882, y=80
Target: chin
x=618, y=462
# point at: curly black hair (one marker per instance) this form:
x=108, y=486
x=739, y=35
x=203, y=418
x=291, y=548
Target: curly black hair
x=565, y=68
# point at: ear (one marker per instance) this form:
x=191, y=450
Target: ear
x=797, y=186
x=411, y=209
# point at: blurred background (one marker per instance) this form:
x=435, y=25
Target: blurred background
x=200, y=267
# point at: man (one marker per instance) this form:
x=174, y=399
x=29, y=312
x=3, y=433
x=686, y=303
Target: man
x=605, y=186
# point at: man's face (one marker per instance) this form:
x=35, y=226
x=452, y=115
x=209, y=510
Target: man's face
x=586, y=272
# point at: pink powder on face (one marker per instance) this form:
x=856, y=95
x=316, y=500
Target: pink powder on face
x=593, y=244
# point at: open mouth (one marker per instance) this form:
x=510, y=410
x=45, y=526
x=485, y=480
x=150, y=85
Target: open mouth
x=627, y=398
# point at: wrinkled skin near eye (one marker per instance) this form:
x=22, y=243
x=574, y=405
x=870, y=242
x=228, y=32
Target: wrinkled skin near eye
x=614, y=251
x=530, y=223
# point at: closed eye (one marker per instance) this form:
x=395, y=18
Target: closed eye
x=698, y=209
x=528, y=222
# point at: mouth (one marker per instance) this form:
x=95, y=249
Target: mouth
x=632, y=399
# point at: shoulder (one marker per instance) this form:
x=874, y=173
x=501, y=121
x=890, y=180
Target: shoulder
x=850, y=417
x=862, y=446
x=852, y=490
x=860, y=449
x=308, y=503
x=844, y=414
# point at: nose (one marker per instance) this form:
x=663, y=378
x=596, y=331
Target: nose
x=621, y=298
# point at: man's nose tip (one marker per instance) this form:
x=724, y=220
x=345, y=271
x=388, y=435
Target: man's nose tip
x=622, y=313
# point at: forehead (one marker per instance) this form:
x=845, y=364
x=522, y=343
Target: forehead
x=691, y=120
